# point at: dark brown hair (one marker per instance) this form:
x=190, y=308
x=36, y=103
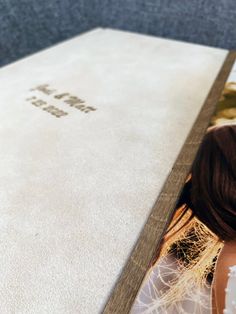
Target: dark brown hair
x=211, y=191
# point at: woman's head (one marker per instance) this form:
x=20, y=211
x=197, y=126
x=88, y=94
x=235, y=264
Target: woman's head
x=211, y=191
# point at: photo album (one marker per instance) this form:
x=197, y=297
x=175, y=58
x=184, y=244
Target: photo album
x=108, y=140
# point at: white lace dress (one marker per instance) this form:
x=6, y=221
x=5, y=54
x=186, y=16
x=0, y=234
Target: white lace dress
x=157, y=279
x=230, y=292
x=148, y=302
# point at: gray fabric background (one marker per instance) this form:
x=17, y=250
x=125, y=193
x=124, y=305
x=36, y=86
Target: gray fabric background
x=27, y=26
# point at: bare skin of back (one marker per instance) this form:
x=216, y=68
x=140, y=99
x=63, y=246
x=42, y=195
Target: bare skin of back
x=226, y=259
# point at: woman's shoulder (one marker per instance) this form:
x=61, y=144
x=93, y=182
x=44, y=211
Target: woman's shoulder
x=230, y=293
x=224, y=279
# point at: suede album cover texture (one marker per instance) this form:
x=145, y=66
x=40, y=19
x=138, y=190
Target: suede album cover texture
x=89, y=131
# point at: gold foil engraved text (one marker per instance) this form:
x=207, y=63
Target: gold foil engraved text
x=66, y=98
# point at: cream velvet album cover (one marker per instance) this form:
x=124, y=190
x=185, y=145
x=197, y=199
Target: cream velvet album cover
x=89, y=130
